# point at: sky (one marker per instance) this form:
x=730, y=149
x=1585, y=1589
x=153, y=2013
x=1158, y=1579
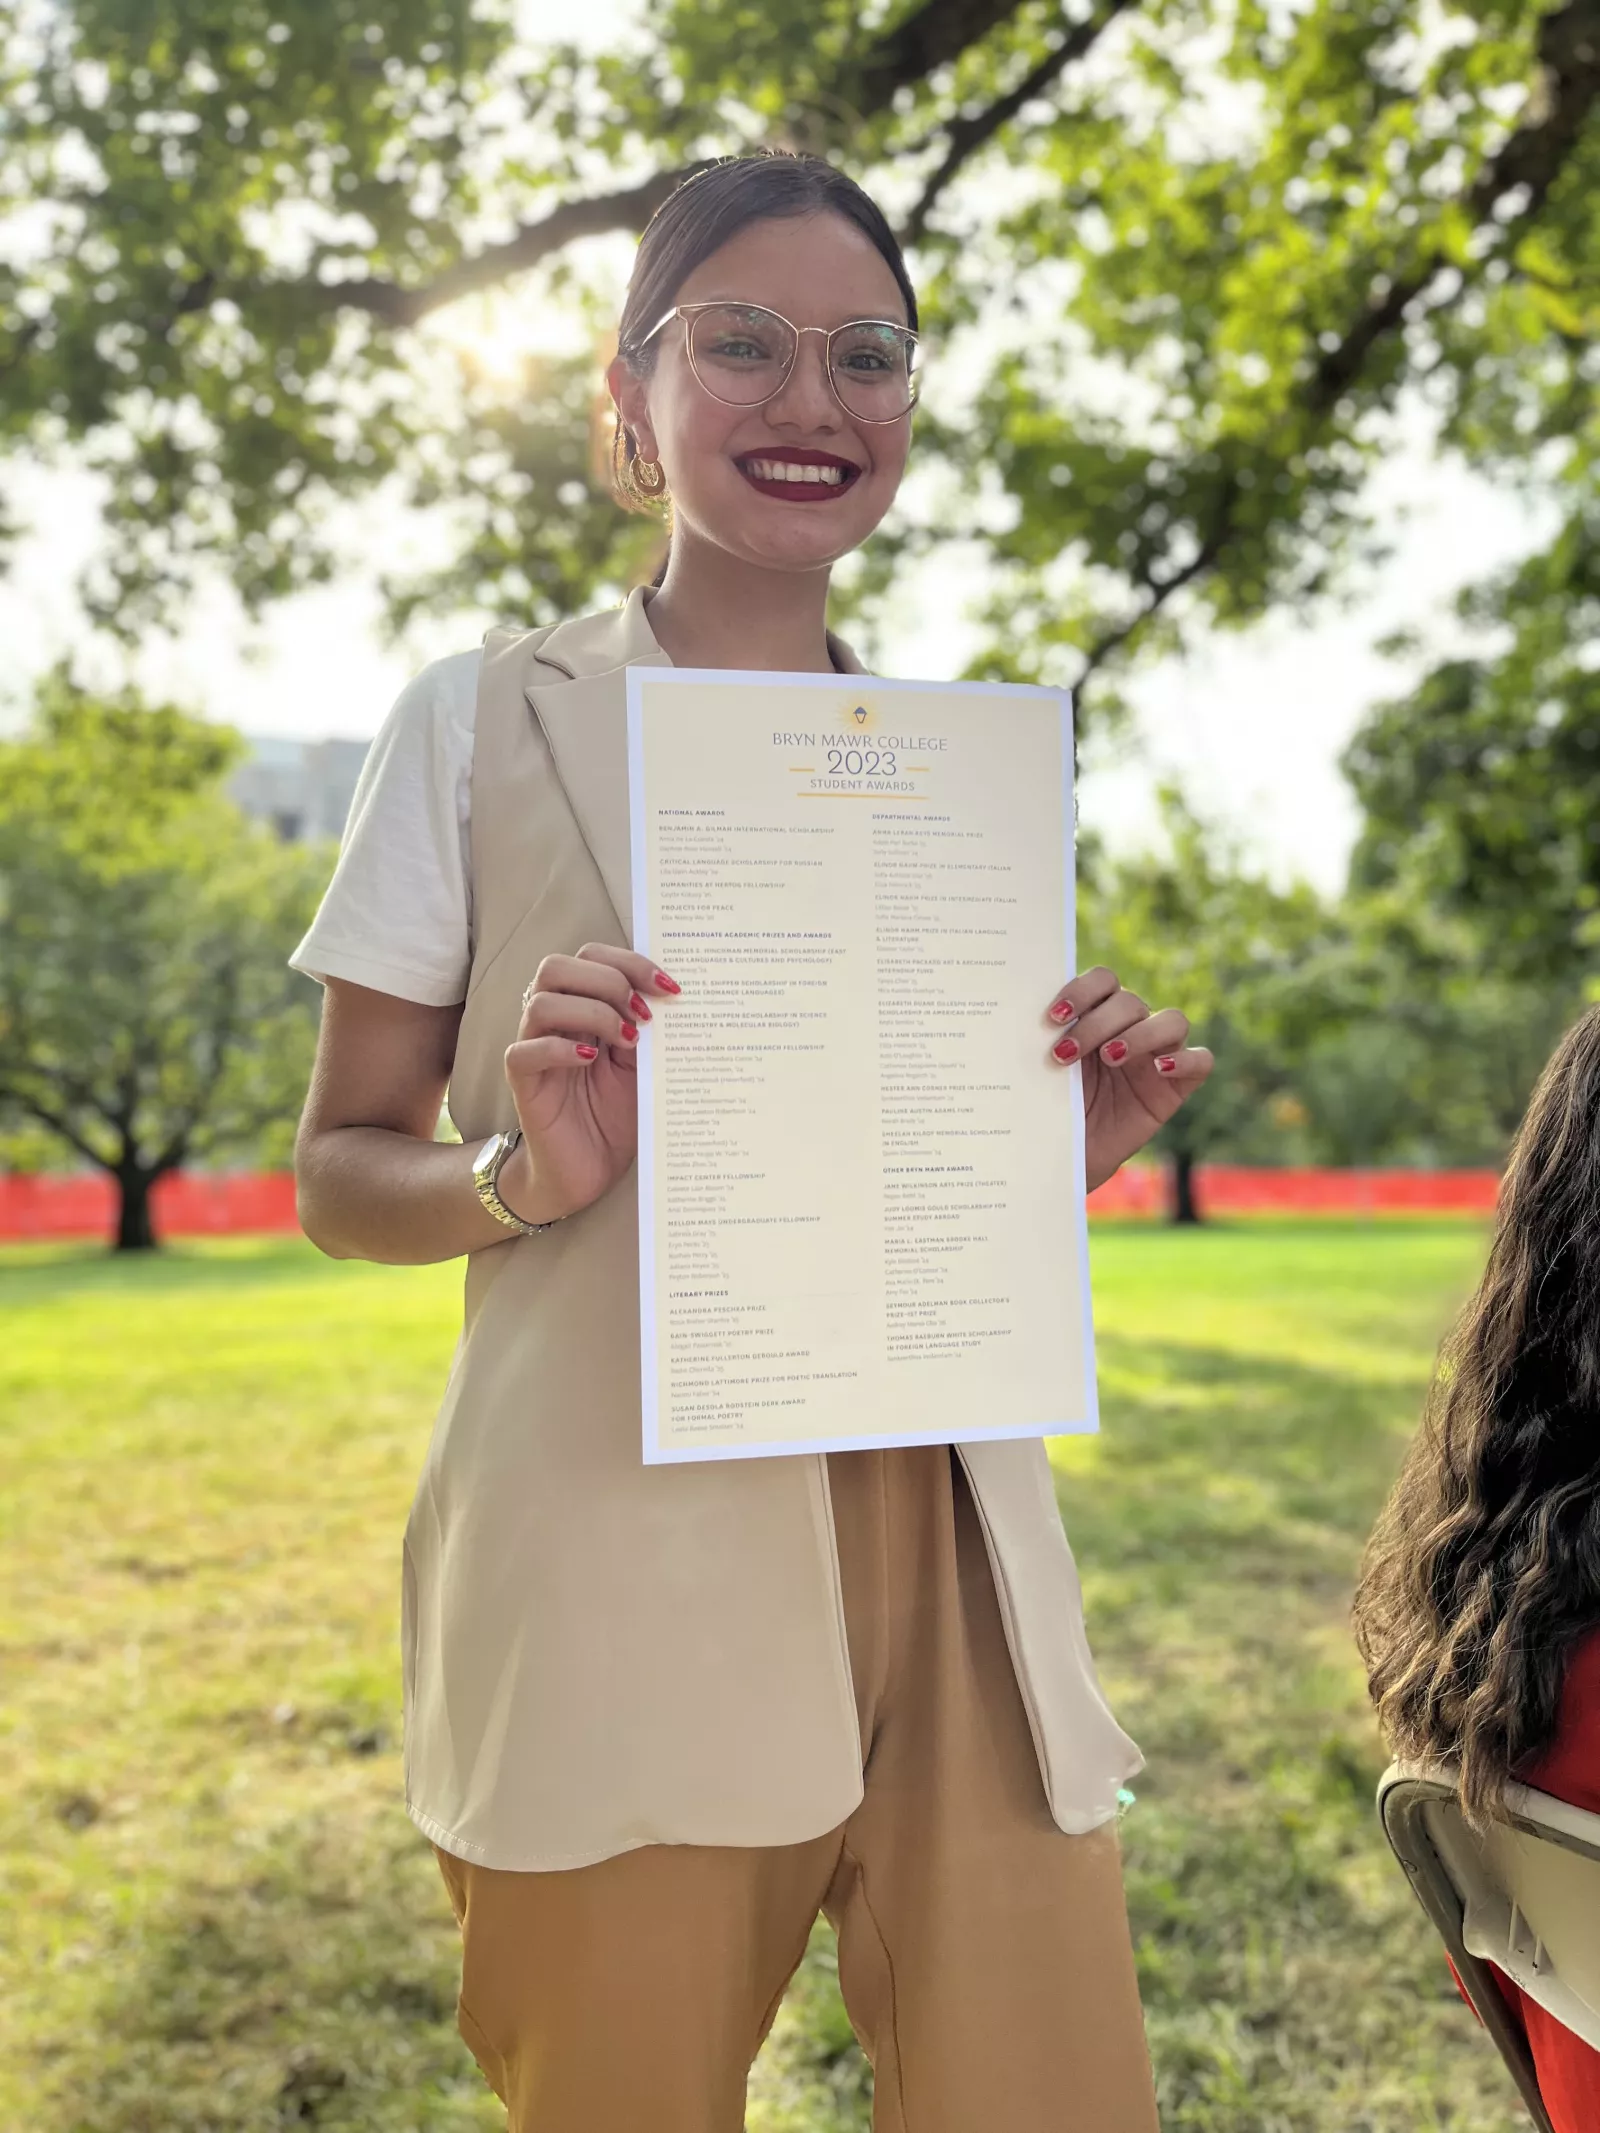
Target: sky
x=1251, y=725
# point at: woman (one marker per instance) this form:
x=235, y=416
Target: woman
x=1478, y=1612
x=657, y=1717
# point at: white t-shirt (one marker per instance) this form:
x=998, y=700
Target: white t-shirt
x=397, y=915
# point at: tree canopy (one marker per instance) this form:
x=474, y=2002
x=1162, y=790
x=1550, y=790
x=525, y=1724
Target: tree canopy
x=147, y=1016
x=1360, y=1031
x=1258, y=970
x=1182, y=264
x=1481, y=790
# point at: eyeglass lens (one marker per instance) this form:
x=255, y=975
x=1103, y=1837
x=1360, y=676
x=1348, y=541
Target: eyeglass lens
x=742, y=354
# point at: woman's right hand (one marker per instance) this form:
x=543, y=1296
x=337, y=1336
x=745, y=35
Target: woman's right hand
x=573, y=1077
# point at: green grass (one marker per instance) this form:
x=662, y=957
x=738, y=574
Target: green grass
x=1259, y=1385
x=223, y=1920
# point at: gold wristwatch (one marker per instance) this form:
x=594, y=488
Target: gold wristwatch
x=487, y=1165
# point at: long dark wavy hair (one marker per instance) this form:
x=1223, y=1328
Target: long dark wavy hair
x=697, y=219
x=1484, y=1571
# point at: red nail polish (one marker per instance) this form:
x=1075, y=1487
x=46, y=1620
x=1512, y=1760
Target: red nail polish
x=1066, y=1051
x=1115, y=1052
x=1063, y=1011
x=640, y=1006
x=1166, y=1066
x=667, y=984
x=588, y=1051
x=629, y=1034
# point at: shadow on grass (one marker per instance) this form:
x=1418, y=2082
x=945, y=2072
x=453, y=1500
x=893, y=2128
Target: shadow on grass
x=1290, y=1982
x=1255, y=1466
x=1219, y=1528
x=309, y=1981
x=45, y=1273
x=313, y=1983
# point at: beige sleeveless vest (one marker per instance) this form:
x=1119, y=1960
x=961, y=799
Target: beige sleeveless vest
x=600, y=1654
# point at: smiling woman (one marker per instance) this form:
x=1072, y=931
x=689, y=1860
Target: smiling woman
x=652, y=1708
x=741, y=360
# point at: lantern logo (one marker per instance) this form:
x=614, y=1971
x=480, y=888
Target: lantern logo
x=858, y=719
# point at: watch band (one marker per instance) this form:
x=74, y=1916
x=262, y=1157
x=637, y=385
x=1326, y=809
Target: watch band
x=486, y=1168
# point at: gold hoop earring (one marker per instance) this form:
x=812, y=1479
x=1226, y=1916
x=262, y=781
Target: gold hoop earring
x=648, y=477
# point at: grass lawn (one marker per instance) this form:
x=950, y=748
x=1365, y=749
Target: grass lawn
x=222, y=1919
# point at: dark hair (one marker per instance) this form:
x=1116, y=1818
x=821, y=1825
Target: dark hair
x=700, y=216
x=1484, y=1571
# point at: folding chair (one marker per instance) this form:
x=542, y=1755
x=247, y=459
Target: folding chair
x=1523, y=1895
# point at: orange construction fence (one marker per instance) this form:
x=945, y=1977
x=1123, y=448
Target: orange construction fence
x=1237, y=1189
x=199, y=1203
x=185, y=1203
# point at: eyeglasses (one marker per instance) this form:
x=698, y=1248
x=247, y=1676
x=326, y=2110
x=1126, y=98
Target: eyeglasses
x=743, y=354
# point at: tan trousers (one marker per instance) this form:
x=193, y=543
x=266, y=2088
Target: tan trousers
x=984, y=1956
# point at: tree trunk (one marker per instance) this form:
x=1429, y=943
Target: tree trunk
x=1185, y=1207
x=135, y=1230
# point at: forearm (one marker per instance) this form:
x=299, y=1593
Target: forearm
x=364, y=1192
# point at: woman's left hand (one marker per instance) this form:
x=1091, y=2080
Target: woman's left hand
x=1137, y=1070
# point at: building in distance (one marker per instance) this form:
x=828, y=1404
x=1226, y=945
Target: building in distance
x=303, y=789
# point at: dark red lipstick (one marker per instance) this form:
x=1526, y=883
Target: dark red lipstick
x=786, y=473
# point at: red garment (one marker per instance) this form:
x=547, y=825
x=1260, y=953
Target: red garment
x=1568, y=2069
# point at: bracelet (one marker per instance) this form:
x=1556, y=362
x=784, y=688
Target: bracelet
x=487, y=1165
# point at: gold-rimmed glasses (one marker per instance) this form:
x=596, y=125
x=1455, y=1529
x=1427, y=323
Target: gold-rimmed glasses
x=742, y=354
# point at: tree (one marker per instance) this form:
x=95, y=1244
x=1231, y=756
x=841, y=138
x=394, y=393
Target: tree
x=1436, y=1046
x=1258, y=970
x=1233, y=241
x=1357, y=1032
x=1481, y=789
x=147, y=1016
x=1479, y=851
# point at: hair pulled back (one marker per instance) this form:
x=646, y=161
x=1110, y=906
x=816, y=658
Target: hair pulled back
x=1483, y=1572
x=700, y=216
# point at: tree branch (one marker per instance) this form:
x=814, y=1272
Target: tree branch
x=1160, y=590
x=932, y=36
x=25, y=339
x=126, y=1111
x=1565, y=93
x=630, y=209
x=224, y=1030
x=935, y=34
x=196, y=293
x=53, y=1120
x=64, y=1083
x=172, y=1155
x=965, y=136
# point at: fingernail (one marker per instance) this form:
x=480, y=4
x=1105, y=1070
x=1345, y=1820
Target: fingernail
x=640, y=1006
x=1114, y=1053
x=1063, y=1012
x=667, y=984
x=629, y=1034
x=588, y=1051
x=1166, y=1066
x=1066, y=1050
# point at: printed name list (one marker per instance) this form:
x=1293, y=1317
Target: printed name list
x=860, y=1172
